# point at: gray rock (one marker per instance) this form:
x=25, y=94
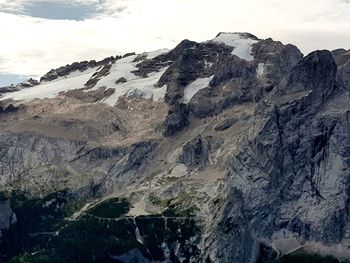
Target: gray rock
x=341, y=56
x=226, y=124
x=46, y=164
x=6, y=109
x=235, y=80
x=278, y=59
x=343, y=76
x=104, y=71
x=121, y=80
x=288, y=176
x=76, y=66
x=26, y=84
x=176, y=120
x=91, y=96
x=196, y=152
x=133, y=256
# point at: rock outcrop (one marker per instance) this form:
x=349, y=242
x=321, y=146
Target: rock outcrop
x=289, y=175
x=176, y=120
x=26, y=84
x=76, y=66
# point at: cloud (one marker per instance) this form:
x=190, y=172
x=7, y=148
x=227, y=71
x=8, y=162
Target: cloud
x=32, y=45
x=82, y=8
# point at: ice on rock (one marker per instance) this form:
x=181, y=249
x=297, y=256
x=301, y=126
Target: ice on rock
x=260, y=69
x=123, y=68
x=242, y=44
x=194, y=87
x=75, y=80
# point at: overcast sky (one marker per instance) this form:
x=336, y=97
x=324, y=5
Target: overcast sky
x=37, y=35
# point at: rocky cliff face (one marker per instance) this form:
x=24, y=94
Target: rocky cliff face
x=231, y=150
x=290, y=174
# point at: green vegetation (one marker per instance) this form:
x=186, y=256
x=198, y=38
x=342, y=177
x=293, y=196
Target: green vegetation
x=156, y=231
x=42, y=233
x=269, y=255
x=37, y=219
x=174, y=210
x=171, y=179
x=37, y=258
x=182, y=206
x=112, y=208
x=158, y=201
x=306, y=258
x=3, y=196
x=91, y=239
x=266, y=254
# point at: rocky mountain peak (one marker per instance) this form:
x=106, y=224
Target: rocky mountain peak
x=235, y=149
x=316, y=72
x=245, y=35
x=76, y=66
x=341, y=56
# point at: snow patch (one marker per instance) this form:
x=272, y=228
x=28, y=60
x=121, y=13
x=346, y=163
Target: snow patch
x=194, y=87
x=179, y=170
x=260, y=69
x=242, y=45
x=75, y=80
x=156, y=53
x=140, y=87
x=135, y=85
x=208, y=65
x=121, y=68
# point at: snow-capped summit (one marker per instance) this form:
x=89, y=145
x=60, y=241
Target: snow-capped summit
x=241, y=42
x=230, y=150
x=157, y=75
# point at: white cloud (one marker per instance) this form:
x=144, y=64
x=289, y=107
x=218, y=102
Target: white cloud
x=32, y=46
x=21, y=6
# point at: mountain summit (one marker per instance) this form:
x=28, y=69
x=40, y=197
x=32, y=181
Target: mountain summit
x=231, y=150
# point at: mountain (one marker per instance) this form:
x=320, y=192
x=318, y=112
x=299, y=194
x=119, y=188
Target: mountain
x=231, y=150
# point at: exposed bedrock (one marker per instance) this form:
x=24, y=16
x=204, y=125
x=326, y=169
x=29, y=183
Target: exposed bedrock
x=293, y=174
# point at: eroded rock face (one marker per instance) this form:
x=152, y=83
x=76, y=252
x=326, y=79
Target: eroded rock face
x=343, y=76
x=315, y=73
x=176, y=120
x=41, y=159
x=191, y=60
x=5, y=109
x=196, y=153
x=277, y=59
x=341, y=56
x=91, y=96
x=234, y=80
x=294, y=175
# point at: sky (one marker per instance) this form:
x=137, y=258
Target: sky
x=37, y=35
